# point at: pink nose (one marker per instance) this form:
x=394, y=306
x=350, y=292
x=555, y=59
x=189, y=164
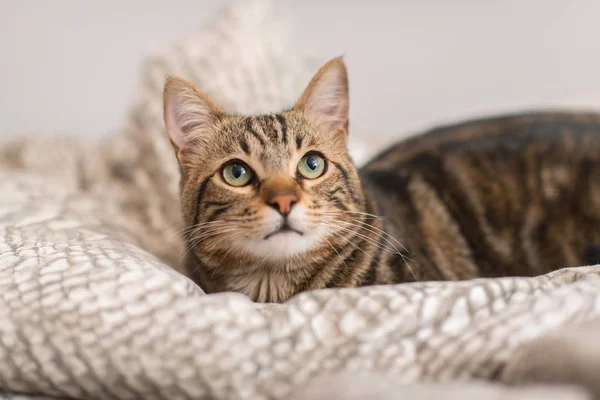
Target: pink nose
x=281, y=193
x=283, y=203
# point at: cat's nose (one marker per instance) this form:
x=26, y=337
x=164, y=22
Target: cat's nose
x=281, y=193
x=283, y=203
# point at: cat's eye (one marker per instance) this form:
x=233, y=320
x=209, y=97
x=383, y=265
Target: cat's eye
x=312, y=166
x=237, y=173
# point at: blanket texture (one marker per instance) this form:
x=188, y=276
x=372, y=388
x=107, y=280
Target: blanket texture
x=90, y=307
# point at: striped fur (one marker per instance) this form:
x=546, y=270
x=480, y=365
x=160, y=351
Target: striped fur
x=516, y=195
x=339, y=258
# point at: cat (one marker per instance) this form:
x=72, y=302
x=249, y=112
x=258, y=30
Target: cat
x=273, y=204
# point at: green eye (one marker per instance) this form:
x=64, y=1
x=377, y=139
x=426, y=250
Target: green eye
x=237, y=174
x=311, y=166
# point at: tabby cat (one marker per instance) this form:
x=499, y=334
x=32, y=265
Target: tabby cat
x=274, y=206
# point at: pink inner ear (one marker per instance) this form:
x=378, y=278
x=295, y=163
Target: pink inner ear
x=186, y=129
x=180, y=134
x=173, y=129
x=330, y=109
x=327, y=100
x=187, y=114
x=178, y=128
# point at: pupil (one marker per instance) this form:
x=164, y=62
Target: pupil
x=312, y=163
x=237, y=171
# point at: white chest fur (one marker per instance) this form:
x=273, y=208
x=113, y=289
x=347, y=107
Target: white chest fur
x=264, y=286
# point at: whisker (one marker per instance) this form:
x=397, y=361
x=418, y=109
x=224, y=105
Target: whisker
x=404, y=258
x=239, y=221
x=195, y=240
x=169, y=226
x=381, y=233
x=339, y=241
x=357, y=212
x=186, y=231
x=377, y=245
x=208, y=231
x=334, y=249
x=367, y=227
x=340, y=214
x=355, y=231
x=220, y=261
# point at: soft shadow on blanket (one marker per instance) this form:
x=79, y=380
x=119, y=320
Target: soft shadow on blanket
x=570, y=355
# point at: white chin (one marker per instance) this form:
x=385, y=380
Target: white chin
x=281, y=245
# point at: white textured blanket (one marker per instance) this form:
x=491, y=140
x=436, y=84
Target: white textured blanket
x=87, y=314
x=90, y=309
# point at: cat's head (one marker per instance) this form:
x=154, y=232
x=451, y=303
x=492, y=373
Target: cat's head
x=267, y=188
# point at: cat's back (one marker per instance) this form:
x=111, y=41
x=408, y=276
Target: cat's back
x=512, y=134
x=511, y=195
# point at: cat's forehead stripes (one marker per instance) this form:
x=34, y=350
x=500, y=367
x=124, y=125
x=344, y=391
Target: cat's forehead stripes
x=250, y=129
x=282, y=126
x=270, y=128
x=267, y=124
x=267, y=138
x=244, y=146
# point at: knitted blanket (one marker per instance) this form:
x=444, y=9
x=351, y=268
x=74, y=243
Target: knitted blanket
x=90, y=307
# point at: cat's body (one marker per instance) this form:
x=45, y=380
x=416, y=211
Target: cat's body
x=274, y=206
x=505, y=196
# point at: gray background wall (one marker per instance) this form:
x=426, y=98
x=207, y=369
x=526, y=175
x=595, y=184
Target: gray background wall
x=71, y=66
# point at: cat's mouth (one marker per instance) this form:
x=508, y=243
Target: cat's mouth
x=285, y=228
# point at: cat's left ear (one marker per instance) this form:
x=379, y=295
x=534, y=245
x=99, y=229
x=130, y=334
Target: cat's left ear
x=325, y=99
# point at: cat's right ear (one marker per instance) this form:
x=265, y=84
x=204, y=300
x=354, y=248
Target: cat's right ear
x=325, y=99
x=188, y=114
